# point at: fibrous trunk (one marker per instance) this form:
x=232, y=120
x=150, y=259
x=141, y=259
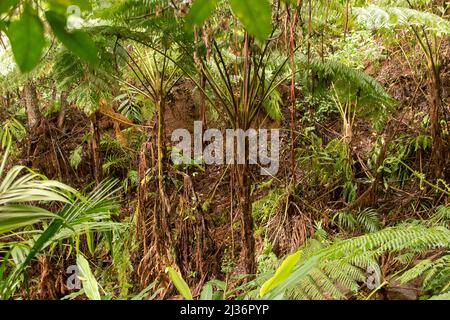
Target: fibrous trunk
x=160, y=224
x=32, y=104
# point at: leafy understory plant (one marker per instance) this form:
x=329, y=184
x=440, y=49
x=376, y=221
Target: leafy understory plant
x=179, y=283
x=80, y=215
x=18, y=187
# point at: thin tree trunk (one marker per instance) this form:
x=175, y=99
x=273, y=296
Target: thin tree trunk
x=95, y=152
x=63, y=109
x=347, y=5
x=161, y=219
x=437, y=153
x=291, y=48
x=242, y=184
x=241, y=181
x=203, y=101
x=32, y=105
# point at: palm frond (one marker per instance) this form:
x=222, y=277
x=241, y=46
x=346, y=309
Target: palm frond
x=75, y=218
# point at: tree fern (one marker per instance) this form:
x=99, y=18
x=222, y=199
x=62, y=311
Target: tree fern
x=150, y=19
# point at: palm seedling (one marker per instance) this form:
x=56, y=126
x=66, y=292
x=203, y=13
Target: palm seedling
x=78, y=215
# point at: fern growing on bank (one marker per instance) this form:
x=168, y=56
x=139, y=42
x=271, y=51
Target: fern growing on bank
x=351, y=86
x=337, y=269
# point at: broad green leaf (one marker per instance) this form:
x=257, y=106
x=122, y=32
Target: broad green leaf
x=207, y=292
x=200, y=11
x=87, y=278
x=78, y=42
x=26, y=36
x=179, y=283
x=255, y=15
x=5, y=5
x=281, y=274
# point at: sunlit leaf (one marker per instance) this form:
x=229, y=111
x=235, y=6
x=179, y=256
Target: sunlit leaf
x=200, y=11
x=26, y=36
x=255, y=15
x=6, y=5
x=207, y=292
x=15, y=216
x=87, y=278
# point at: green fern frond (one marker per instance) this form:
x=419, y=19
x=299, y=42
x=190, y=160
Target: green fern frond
x=436, y=273
x=272, y=105
x=361, y=252
x=375, y=17
x=368, y=219
x=88, y=84
x=440, y=217
x=351, y=86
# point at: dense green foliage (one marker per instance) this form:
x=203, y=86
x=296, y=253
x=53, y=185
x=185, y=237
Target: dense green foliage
x=92, y=90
